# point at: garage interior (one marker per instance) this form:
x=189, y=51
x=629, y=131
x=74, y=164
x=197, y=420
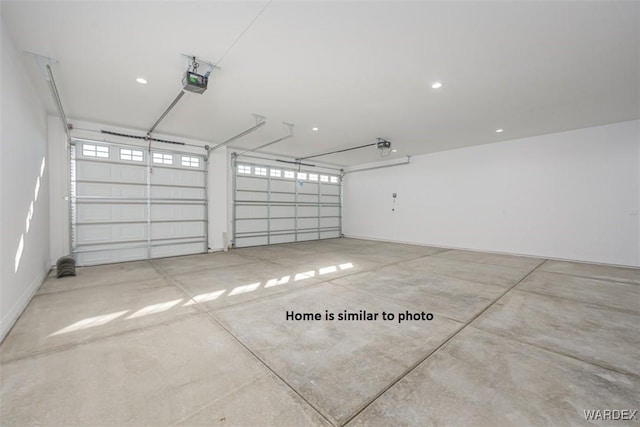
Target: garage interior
x=320, y=213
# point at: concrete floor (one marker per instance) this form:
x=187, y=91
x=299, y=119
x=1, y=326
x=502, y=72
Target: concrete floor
x=204, y=340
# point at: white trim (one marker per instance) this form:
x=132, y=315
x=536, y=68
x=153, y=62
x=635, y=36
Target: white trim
x=458, y=248
x=18, y=308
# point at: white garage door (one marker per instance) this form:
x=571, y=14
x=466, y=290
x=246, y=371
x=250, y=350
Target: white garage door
x=129, y=204
x=278, y=205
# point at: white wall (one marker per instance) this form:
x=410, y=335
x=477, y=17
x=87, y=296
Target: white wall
x=570, y=195
x=219, y=226
x=25, y=203
x=59, y=217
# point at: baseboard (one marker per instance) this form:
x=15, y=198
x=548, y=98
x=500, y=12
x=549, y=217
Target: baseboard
x=10, y=318
x=493, y=252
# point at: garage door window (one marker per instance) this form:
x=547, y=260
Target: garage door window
x=133, y=155
x=162, y=158
x=190, y=162
x=89, y=150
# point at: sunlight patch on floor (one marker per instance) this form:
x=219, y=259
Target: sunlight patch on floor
x=90, y=322
x=326, y=270
x=210, y=296
x=154, y=308
x=303, y=276
x=244, y=289
x=277, y=282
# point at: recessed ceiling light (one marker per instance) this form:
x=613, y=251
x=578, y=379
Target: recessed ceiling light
x=314, y=129
x=141, y=81
x=499, y=130
x=394, y=151
x=436, y=85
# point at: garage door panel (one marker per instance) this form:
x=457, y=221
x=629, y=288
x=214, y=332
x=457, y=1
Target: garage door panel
x=177, y=193
x=329, y=211
x=176, y=249
x=166, y=176
x=109, y=172
x=251, y=196
x=252, y=211
x=307, y=211
x=308, y=187
x=175, y=230
x=109, y=233
x=308, y=198
x=246, y=183
x=96, y=212
x=303, y=236
x=282, y=238
x=282, y=185
x=304, y=223
x=283, y=224
x=162, y=212
x=242, y=242
x=283, y=197
x=282, y=211
x=329, y=222
x=324, y=199
x=330, y=189
x=94, y=189
x=108, y=256
x=252, y=225
x=130, y=173
x=329, y=234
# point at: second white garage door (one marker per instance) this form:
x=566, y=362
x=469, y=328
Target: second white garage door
x=277, y=205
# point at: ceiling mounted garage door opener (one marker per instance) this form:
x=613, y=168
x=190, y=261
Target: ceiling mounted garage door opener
x=191, y=82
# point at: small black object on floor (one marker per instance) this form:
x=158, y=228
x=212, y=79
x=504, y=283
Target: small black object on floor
x=66, y=266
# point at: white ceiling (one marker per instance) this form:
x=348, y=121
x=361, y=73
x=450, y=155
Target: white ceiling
x=356, y=70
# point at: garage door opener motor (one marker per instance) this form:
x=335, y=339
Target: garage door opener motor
x=194, y=82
